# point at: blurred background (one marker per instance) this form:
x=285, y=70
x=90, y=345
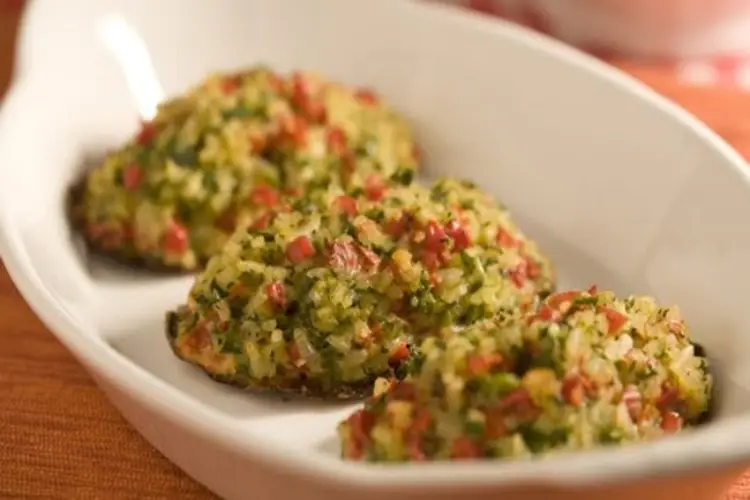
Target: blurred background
x=704, y=42
x=695, y=52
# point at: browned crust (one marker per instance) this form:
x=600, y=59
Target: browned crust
x=305, y=389
x=73, y=207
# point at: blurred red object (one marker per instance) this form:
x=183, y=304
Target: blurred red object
x=643, y=28
x=706, y=41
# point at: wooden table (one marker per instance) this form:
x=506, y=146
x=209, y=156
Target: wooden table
x=59, y=436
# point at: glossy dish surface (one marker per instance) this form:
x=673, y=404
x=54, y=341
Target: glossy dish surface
x=618, y=186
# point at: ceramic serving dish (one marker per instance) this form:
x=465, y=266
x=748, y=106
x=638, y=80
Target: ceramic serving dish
x=621, y=188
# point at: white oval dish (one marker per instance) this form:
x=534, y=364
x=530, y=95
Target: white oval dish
x=621, y=187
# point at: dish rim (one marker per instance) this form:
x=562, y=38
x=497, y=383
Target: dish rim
x=679, y=454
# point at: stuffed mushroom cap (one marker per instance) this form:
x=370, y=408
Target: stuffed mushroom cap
x=585, y=369
x=231, y=146
x=328, y=295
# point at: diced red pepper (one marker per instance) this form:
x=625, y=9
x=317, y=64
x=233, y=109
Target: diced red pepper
x=464, y=448
x=576, y=388
x=176, y=238
x=347, y=204
x=505, y=240
x=400, y=353
x=299, y=250
x=294, y=128
x=546, y=313
x=200, y=337
x=336, y=140
x=132, y=177
x=314, y=111
x=518, y=275
x=615, y=320
x=230, y=85
x=374, y=188
x=430, y=260
x=264, y=196
x=261, y=222
x=296, y=359
x=367, y=96
x=146, y=134
x=593, y=290
x=304, y=101
x=517, y=397
x=300, y=87
x=362, y=422
x=434, y=236
x=481, y=364
x=671, y=422
x=519, y=404
x=573, y=392
x=669, y=399
x=532, y=268
x=556, y=300
x=396, y=228
x=459, y=235
x=276, y=294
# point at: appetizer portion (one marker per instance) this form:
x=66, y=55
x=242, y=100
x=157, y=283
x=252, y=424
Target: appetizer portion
x=583, y=370
x=341, y=136
x=327, y=296
x=230, y=146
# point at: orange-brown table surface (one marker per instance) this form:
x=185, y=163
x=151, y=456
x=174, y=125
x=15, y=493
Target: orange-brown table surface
x=60, y=438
